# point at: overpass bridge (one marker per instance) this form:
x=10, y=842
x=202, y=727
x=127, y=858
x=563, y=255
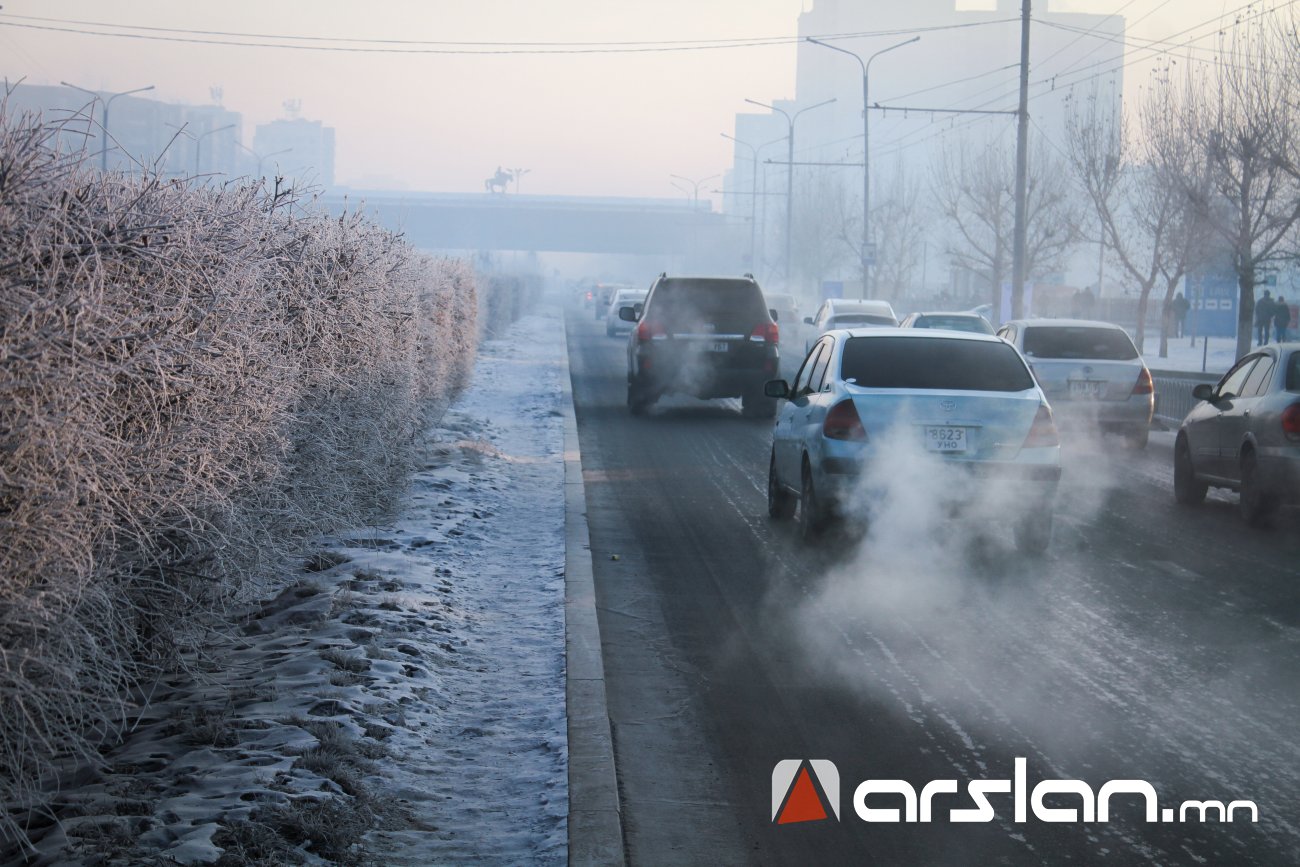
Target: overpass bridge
x=571, y=224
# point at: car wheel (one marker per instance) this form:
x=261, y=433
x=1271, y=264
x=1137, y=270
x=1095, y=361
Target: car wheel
x=638, y=400
x=757, y=405
x=780, y=502
x=1188, y=490
x=1033, y=532
x=1137, y=439
x=1257, y=504
x=812, y=517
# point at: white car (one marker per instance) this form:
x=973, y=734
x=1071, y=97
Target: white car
x=1091, y=372
x=849, y=313
x=964, y=403
x=615, y=326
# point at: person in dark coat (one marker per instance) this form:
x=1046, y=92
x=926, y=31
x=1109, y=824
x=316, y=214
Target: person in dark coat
x=1263, y=317
x=1180, y=306
x=1281, y=320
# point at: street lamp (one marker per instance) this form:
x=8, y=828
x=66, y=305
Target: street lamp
x=198, y=143
x=695, y=185
x=519, y=173
x=866, y=145
x=103, y=154
x=262, y=158
x=789, y=179
x=753, y=188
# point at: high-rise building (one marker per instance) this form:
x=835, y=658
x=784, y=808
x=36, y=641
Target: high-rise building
x=295, y=148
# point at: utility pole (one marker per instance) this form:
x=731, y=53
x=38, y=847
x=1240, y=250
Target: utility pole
x=103, y=154
x=1018, y=252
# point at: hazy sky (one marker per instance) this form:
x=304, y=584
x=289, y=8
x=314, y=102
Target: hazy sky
x=593, y=124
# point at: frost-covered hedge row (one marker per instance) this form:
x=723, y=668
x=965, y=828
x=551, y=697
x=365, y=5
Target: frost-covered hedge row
x=192, y=379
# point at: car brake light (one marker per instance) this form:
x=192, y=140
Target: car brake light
x=766, y=331
x=589, y=296
x=1144, y=384
x=844, y=423
x=648, y=330
x=1042, y=433
x=1291, y=421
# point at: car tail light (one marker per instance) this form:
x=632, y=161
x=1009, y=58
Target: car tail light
x=1144, y=384
x=589, y=296
x=1291, y=421
x=766, y=331
x=844, y=423
x=1042, y=432
x=648, y=330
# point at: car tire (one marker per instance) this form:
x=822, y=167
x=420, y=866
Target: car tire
x=638, y=400
x=1257, y=504
x=1188, y=490
x=812, y=515
x=1138, y=438
x=757, y=405
x=1033, y=532
x=780, y=502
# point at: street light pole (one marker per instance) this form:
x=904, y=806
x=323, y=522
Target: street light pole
x=753, y=188
x=260, y=158
x=695, y=185
x=103, y=154
x=519, y=173
x=789, y=178
x=866, y=148
x=198, y=143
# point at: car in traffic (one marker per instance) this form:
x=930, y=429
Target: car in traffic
x=848, y=313
x=615, y=326
x=1091, y=372
x=971, y=322
x=966, y=402
x=1244, y=435
x=708, y=337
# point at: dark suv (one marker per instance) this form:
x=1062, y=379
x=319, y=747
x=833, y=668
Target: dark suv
x=703, y=336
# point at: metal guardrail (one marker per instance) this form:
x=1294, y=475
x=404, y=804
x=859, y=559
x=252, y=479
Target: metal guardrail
x=1174, y=393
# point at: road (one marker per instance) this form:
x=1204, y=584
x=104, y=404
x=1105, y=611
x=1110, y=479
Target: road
x=1152, y=642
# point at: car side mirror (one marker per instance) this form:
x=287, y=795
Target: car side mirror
x=807, y=320
x=627, y=314
x=1203, y=391
x=775, y=317
x=777, y=388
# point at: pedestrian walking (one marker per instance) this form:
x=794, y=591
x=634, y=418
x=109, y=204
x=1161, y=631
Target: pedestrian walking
x=1281, y=320
x=1180, y=307
x=1263, y=317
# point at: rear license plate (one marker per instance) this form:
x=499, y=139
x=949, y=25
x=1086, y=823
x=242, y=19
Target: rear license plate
x=1085, y=388
x=719, y=347
x=945, y=439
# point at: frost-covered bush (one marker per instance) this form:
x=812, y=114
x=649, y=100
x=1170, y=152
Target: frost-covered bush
x=192, y=379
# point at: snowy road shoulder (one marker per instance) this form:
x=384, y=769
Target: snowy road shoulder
x=402, y=703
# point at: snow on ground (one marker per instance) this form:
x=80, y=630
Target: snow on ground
x=1218, y=356
x=403, y=702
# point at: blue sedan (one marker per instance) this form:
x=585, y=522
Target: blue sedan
x=925, y=403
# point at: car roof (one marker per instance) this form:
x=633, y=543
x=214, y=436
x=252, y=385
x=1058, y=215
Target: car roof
x=860, y=303
x=1066, y=323
x=916, y=334
x=969, y=314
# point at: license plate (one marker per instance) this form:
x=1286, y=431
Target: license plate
x=719, y=347
x=945, y=439
x=1086, y=388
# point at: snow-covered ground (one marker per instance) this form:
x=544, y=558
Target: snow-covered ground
x=1218, y=356
x=404, y=700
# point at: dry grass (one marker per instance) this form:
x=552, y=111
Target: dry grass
x=193, y=379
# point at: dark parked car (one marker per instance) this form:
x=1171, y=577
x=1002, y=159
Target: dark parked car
x=708, y=337
x=1245, y=434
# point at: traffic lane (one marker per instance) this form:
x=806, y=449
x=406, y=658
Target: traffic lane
x=734, y=452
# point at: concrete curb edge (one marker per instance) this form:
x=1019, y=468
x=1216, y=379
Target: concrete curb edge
x=595, y=822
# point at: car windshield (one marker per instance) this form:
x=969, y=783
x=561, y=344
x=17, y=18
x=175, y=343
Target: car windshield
x=973, y=324
x=1079, y=341
x=727, y=305
x=849, y=320
x=934, y=364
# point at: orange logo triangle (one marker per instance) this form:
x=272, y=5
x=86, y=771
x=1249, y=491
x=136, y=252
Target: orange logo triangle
x=803, y=804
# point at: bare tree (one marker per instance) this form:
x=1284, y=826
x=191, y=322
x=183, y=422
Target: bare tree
x=820, y=228
x=1241, y=120
x=899, y=225
x=973, y=190
x=1138, y=192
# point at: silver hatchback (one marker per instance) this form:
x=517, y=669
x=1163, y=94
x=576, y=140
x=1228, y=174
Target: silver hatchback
x=1245, y=434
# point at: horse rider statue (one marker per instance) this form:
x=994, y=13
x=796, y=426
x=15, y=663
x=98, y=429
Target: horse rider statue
x=498, y=182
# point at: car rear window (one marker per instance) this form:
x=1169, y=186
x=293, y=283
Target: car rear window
x=1065, y=341
x=729, y=305
x=1293, y=372
x=973, y=324
x=934, y=364
x=848, y=320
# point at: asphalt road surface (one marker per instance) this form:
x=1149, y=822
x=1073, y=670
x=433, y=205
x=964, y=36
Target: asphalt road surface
x=1153, y=642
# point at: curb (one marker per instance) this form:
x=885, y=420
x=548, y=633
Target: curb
x=595, y=821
